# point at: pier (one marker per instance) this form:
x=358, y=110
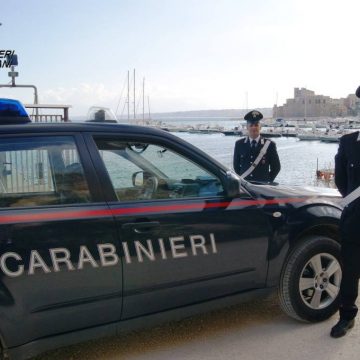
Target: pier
x=311, y=131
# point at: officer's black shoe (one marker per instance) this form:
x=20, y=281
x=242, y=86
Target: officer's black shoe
x=341, y=328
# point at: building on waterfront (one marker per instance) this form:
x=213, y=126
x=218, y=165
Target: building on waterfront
x=306, y=104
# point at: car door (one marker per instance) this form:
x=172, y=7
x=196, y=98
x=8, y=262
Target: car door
x=58, y=241
x=182, y=240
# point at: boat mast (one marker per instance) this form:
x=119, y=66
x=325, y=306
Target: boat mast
x=143, y=100
x=305, y=106
x=128, y=95
x=134, y=97
x=149, y=106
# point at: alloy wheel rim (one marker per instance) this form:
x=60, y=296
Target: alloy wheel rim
x=320, y=280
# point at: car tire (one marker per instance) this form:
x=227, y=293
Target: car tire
x=310, y=280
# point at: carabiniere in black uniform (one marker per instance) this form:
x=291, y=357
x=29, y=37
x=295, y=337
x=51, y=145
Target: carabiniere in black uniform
x=245, y=153
x=347, y=179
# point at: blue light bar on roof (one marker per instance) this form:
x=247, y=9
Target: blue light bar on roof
x=12, y=112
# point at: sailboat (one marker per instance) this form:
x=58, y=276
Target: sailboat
x=314, y=134
x=146, y=121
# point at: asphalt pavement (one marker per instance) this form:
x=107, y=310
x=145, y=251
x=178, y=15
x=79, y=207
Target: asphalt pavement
x=252, y=331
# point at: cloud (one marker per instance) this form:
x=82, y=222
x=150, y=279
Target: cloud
x=82, y=96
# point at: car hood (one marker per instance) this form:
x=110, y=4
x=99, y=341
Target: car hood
x=285, y=191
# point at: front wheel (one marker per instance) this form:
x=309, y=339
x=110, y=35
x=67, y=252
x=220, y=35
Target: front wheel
x=310, y=280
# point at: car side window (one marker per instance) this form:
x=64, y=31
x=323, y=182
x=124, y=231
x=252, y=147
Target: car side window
x=37, y=171
x=142, y=171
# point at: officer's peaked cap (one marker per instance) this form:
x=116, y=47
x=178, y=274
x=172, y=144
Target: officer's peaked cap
x=253, y=116
x=358, y=92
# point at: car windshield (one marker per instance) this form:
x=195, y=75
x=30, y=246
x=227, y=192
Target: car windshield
x=134, y=152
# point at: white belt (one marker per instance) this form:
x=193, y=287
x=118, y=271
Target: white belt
x=257, y=160
x=351, y=197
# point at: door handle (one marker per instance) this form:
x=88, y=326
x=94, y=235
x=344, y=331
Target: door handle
x=141, y=227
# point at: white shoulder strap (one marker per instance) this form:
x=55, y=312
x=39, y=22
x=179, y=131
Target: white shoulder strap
x=351, y=197
x=257, y=160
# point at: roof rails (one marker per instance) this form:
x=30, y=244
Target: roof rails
x=12, y=112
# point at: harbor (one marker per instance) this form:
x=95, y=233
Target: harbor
x=306, y=148
x=324, y=131
x=299, y=159
x=306, y=153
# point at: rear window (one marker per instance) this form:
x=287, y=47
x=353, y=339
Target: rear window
x=36, y=171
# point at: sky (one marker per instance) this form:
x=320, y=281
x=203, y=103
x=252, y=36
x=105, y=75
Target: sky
x=193, y=54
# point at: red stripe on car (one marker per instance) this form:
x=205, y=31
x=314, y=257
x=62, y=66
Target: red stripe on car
x=84, y=214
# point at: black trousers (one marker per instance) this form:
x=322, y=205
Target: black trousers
x=350, y=253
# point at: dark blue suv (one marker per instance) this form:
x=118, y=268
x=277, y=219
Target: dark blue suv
x=106, y=227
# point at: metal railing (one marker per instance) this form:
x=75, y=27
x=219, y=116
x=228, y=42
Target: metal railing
x=26, y=171
x=29, y=171
x=36, y=116
x=47, y=118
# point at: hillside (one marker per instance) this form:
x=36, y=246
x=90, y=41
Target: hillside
x=224, y=113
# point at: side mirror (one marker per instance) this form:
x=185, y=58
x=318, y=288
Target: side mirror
x=138, y=179
x=232, y=184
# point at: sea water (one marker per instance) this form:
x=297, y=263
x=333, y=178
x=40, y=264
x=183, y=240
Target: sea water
x=299, y=159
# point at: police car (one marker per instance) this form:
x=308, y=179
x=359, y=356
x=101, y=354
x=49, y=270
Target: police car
x=108, y=227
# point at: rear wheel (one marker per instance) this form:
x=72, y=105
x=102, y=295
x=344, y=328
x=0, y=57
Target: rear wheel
x=310, y=281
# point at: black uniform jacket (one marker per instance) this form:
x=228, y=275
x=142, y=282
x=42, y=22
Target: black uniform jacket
x=347, y=179
x=347, y=163
x=244, y=156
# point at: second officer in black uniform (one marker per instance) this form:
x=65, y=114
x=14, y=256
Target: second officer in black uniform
x=347, y=179
x=247, y=161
